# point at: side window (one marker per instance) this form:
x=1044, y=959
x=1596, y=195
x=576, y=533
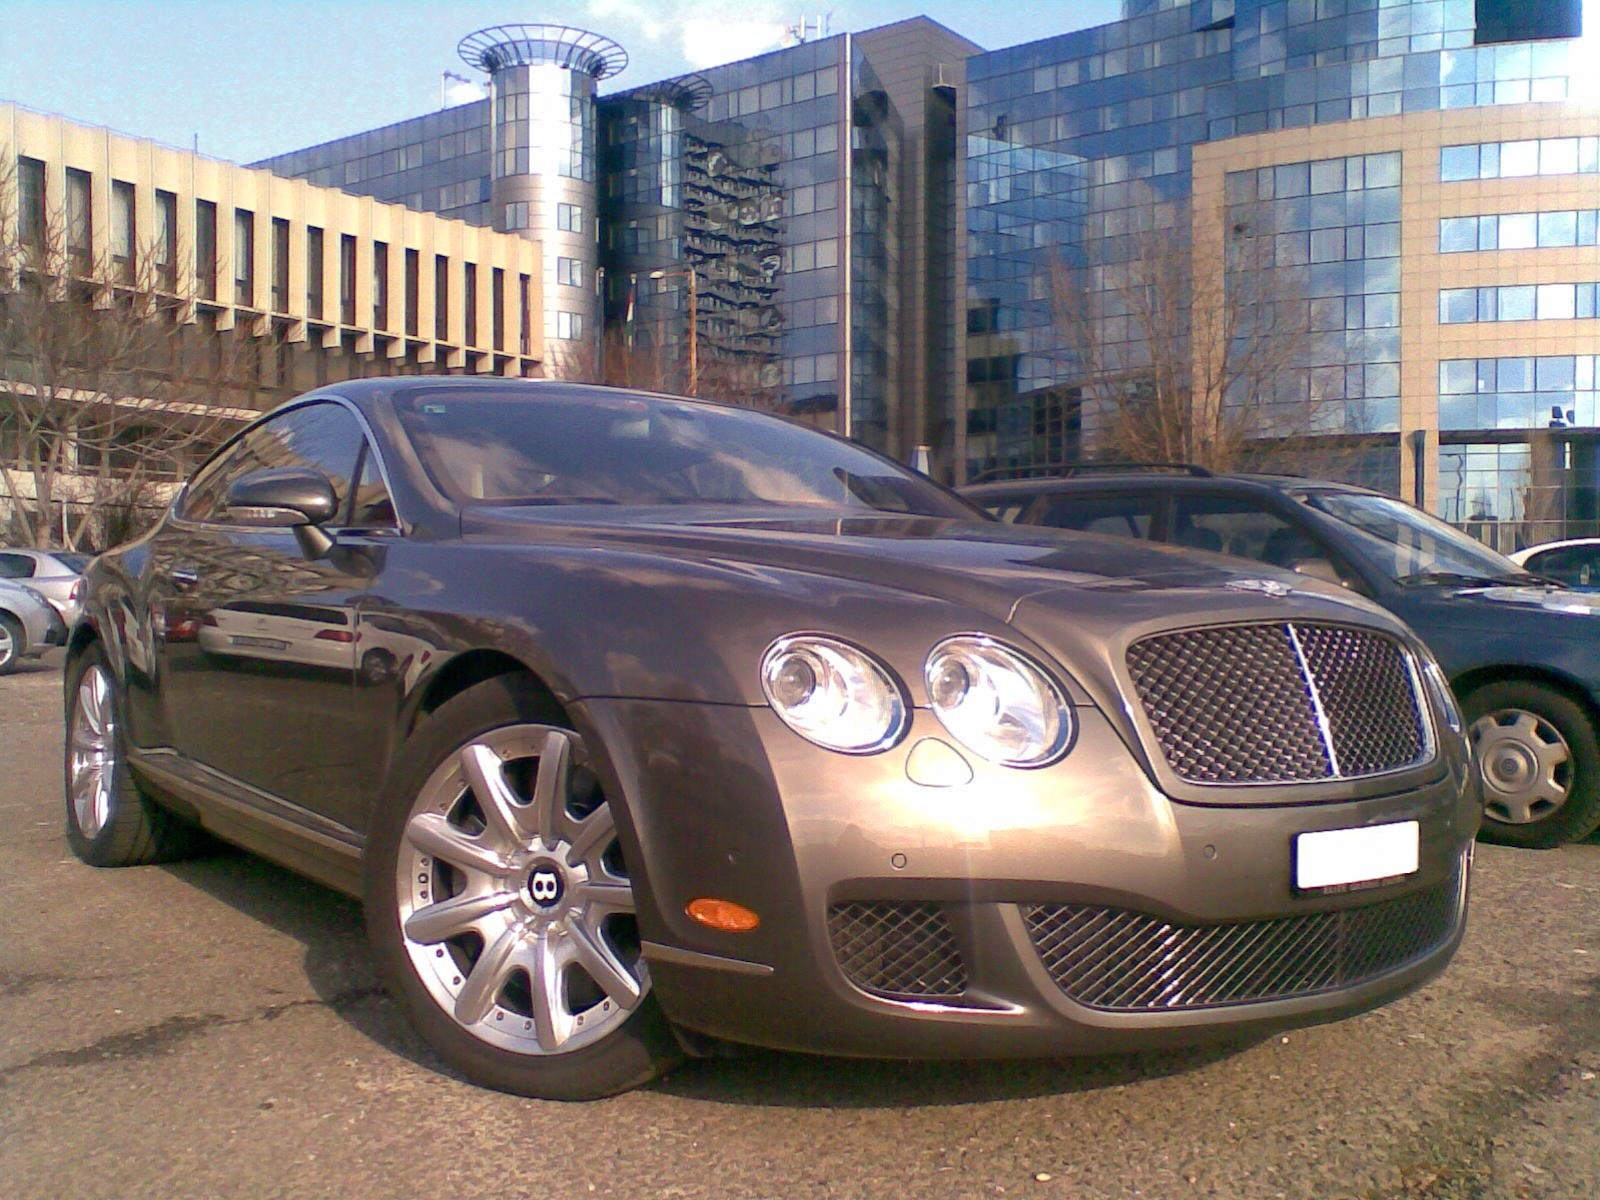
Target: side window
x=1242, y=527
x=15, y=566
x=1576, y=566
x=1128, y=515
x=322, y=436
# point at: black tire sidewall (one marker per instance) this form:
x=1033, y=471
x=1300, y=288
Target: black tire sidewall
x=639, y=1050
x=1580, y=814
x=128, y=837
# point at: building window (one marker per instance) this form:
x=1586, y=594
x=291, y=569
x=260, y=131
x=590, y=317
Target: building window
x=32, y=212
x=244, y=257
x=347, y=279
x=1553, y=391
x=569, y=217
x=80, y=221
x=525, y=329
x=441, y=298
x=380, y=285
x=569, y=272
x=1519, y=159
x=1517, y=302
x=516, y=216
x=413, y=292
x=166, y=240
x=497, y=302
x=569, y=326
x=469, y=274
x=314, y=267
x=205, y=249
x=123, y=235
x=280, y=265
x=1519, y=231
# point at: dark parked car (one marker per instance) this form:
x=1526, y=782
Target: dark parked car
x=695, y=724
x=1522, y=653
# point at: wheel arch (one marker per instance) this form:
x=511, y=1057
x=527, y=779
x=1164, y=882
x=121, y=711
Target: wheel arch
x=1470, y=681
x=466, y=671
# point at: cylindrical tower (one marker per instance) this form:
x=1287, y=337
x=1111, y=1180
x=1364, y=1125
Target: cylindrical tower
x=542, y=94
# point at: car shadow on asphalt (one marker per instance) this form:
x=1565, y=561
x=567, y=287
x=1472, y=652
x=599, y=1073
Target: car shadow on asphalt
x=339, y=969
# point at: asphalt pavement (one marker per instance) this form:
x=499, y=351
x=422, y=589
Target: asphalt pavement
x=214, y=1029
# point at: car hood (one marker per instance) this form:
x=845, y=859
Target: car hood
x=1030, y=577
x=1556, y=600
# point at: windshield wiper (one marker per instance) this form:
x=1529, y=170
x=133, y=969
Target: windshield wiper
x=1462, y=579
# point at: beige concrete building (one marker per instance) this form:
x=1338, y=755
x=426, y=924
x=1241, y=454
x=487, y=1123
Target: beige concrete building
x=273, y=286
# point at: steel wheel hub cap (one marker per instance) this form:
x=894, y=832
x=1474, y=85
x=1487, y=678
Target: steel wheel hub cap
x=1525, y=764
x=515, y=905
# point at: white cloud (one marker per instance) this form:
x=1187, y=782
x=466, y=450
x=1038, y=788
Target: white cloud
x=462, y=92
x=703, y=32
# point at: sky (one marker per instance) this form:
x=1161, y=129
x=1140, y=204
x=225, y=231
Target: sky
x=245, y=79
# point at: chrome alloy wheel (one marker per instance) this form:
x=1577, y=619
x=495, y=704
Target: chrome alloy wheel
x=1525, y=763
x=515, y=905
x=92, y=750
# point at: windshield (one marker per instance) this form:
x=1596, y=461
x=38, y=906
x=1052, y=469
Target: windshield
x=1413, y=548
x=515, y=447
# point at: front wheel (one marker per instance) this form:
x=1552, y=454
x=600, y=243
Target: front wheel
x=500, y=907
x=12, y=642
x=1537, y=754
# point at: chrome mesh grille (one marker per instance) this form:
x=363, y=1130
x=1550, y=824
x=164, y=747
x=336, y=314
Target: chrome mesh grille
x=1111, y=958
x=1279, y=703
x=898, y=951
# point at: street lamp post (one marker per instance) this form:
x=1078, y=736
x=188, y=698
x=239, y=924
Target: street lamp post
x=694, y=322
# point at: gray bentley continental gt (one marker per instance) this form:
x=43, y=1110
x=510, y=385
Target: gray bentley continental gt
x=643, y=725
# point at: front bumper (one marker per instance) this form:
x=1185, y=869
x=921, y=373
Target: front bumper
x=1072, y=909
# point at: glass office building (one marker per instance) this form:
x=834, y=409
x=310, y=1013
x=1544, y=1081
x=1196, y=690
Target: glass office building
x=906, y=238
x=1400, y=193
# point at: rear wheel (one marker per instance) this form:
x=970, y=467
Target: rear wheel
x=1537, y=754
x=501, y=910
x=110, y=822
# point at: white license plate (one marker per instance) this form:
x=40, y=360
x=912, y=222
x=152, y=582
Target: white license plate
x=1333, y=857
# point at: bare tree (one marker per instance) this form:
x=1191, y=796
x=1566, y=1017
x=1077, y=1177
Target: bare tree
x=107, y=389
x=1190, y=355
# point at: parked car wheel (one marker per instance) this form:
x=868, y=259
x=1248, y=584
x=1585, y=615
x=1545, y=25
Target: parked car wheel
x=500, y=907
x=11, y=641
x=110, y=822
x=1538, y=756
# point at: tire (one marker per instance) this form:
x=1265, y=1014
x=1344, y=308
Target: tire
x=1539, y=759
x=110, y=821
x=499, y=906
x=12, y=643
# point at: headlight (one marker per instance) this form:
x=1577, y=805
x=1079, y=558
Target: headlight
x=1439, y=686
x=832, y=694
x=996, y=703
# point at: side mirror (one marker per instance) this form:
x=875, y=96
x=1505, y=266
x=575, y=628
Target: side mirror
x=295, y=498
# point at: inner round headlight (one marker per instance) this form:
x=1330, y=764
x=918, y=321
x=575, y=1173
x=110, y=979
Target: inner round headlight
x=833, y=694
x=997, y=703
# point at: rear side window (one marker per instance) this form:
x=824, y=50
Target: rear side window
x=1234, y=525
x=1131, y=515
x=16, y=566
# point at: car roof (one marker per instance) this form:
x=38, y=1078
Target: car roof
x=1564, y=544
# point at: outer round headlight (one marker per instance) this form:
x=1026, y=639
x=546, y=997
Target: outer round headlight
x=832, y=694
x=996, y=702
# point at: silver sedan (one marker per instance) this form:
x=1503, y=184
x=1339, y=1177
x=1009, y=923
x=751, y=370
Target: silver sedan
x=29, y=624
